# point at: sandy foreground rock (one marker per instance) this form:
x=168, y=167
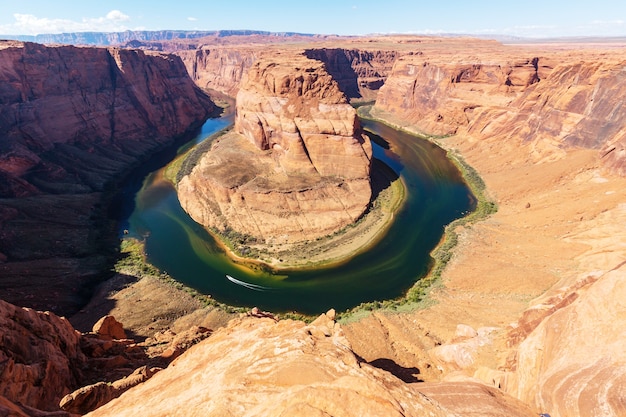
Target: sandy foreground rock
x=263, y=367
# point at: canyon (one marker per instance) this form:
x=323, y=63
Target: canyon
x=527, y=315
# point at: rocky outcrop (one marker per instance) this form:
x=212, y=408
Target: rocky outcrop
x=40, y=357
x=359, y=73
x=298, y=167
x=260, y=366
x=73, y=121
x=438, y=96
x=43, y=360
x=571, y=364
x=220, y=69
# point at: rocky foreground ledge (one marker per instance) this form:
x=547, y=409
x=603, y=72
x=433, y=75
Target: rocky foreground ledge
x=256, y=365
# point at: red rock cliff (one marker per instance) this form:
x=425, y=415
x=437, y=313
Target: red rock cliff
x=359, y=73
x=220, y=69
x=437, y=96
x=71, y=121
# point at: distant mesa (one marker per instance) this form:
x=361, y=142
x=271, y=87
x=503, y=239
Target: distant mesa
x=297, y=165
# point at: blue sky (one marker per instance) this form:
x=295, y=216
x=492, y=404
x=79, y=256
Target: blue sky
x=531, y=18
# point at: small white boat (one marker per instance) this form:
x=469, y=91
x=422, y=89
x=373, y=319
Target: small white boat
x=246, y=284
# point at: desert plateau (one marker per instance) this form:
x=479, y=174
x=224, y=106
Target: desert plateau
x=522, y=315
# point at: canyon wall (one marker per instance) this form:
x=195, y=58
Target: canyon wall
x=359, y=73
x=298, y=167
x=552, y=105
x=577, y=106
x=540, y=110
x=72, y=120
x=220, y=69
x=437, y=96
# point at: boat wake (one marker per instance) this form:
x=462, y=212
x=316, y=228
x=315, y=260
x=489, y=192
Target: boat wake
x=247, y=284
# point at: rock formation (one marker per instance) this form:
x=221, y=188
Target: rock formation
x=359, y=73
x=73, y=121
x=298, y=167
x=260, y=366
x=43, y=360
x=576, y=106
x=40, y=357
x=437, y=96
x=219, y=68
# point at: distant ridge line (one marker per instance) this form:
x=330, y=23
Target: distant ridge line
x=119, y=38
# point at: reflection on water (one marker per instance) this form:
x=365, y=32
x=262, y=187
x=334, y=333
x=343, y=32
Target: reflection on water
x=436, y=195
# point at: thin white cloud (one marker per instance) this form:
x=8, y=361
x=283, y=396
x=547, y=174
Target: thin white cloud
x=192, y=19
x=28, y=24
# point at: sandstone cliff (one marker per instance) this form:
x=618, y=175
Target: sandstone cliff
x=359, y=73
x=578, y=105
x=72, y=120
x=533, y=136
x=534, y=99
x=438, y=96
x=220, y=69
x=300, y=166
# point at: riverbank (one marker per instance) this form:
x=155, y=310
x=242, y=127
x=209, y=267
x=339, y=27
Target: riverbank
x=339, y=247
x=389, y=192
x=536, y=244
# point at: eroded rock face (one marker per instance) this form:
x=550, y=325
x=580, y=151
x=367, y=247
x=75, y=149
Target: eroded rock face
x=46, y=364
x=72, y=120
x=263, y=367
x=220, y=69
x=571, y=364
x=359, y=73
x=438, y=96
x=40, y=357
x=577, y=105
x=297, y=168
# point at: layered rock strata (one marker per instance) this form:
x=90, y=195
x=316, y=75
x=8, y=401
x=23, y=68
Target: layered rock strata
x=43, y=360
x=359, y=73
x=563, y=109
x=438, y=96
x=220, y=69
x=262, y=367
x=536, y=99
x=72, y=120
x=297, y=167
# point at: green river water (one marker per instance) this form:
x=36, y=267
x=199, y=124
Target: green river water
x=436, y=194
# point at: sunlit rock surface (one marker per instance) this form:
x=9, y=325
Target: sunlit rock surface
x=297, y=166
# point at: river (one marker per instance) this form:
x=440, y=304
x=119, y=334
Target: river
x=436, y=195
